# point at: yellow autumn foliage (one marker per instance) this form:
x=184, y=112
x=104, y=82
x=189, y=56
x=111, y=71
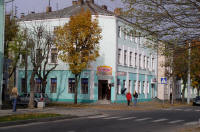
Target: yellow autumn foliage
x=78, y=41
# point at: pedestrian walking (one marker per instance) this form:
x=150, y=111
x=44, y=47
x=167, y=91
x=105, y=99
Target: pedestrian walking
x=135, y=95
x=128, y=97
x=14, y=94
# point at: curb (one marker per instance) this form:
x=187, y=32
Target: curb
x=22, y=122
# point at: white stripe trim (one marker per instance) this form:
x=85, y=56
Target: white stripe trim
x=126, y=118
x=98, y=116
x=176, y=121
x=143, y=119
x=110, y=118
x=159, y=120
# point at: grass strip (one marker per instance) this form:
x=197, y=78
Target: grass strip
x=27, y=116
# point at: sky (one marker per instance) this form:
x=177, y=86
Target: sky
x=27, y=6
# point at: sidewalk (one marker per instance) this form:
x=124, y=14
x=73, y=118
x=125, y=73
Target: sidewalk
x=69, y=111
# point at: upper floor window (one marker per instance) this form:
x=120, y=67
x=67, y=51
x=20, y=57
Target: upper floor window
x=125, y=34
x=153, y=67
x=119, y=56
x=125, y=56
x=135, y=59
x=119, y=31
x=130, y=59
x=144, y=60
x=147, y=62
x=38, y=55
x=140, y=61
x=54, y=55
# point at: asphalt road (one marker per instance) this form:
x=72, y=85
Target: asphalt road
x=165, y=120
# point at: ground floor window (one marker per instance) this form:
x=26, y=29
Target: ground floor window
x=53, y=85
x=71, y=85
x=38, y=85
x=23, y=88
x=118, y=87
x=84, y=85
x=139, y=88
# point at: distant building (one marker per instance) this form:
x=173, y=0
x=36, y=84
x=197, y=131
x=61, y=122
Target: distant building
x=124, y=61
x=1, y=46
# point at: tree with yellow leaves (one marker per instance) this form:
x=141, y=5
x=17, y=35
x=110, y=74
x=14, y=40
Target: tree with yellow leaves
x=78, y=43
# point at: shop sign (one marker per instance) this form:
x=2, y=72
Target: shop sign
x=104, y=70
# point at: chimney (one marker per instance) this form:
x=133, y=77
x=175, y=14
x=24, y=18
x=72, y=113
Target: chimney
x=104, y=7
x=74, y=2
x=48, y=9
x=22, y=15
x=118, y=11
x=90, y=1
x=80, y=2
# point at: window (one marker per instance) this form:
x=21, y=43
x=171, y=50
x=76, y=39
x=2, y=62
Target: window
x=152, y=63
x=38, y=85
x=23, y=89
x=23, y=58
x=38, y=55
x=144, y=89
x=119, y=31
x=125, y=34
x=135, y=59
x=144, y=60
x=139, y=90
x=135, y=83
x=118, y=86
x=53, y=85
x=84, y=85
x=140, y=61
x=139, y=38
x=71, y=85
x=125, y=55
x=129, y=86
x=147, y=87
x=119, y=56
x=130, y=59
x=147, y=62
x=124, y=83
x=54, y=55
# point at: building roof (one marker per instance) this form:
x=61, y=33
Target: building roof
x=69, y=11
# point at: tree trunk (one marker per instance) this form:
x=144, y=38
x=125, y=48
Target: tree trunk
x=32, y=87
x=77, y=77
x=25, y=76
x=183, y=93
x=44, y=83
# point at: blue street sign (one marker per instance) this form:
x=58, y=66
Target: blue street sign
x=163, y=80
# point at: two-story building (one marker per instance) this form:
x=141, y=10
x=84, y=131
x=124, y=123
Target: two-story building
x=124, y=61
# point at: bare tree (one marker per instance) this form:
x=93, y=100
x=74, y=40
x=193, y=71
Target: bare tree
x=41, y=42
x=169, y=20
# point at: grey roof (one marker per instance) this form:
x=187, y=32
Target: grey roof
x=69, y=11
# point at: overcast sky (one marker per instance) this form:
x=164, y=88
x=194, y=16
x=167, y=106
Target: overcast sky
x=26, y=6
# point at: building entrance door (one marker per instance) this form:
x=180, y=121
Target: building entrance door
x=103, y=90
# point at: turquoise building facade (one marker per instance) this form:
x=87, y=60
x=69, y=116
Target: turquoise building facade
x=124, y=64
x=1, y=46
